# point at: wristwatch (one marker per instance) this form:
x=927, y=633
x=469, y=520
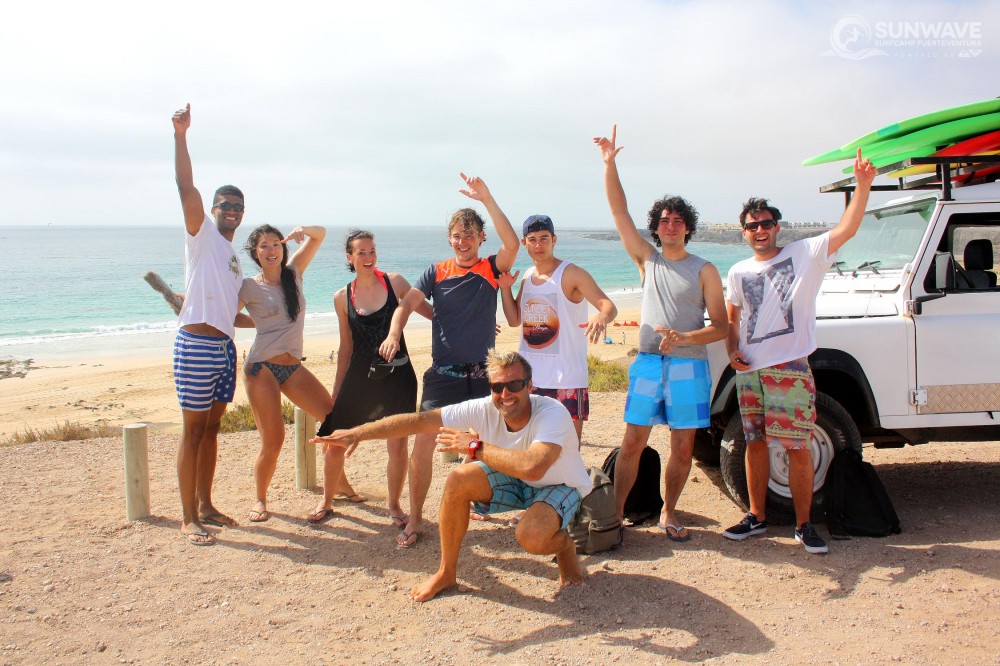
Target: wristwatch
x=475, y=446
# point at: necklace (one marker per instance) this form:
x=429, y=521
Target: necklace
x=263, y=281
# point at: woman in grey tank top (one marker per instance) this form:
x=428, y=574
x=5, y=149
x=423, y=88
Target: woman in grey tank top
x=273, y=367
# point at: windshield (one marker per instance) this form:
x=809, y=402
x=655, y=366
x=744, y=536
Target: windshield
x=888, y=237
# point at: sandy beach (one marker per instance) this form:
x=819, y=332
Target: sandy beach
x=135, y=383
x=80, y=584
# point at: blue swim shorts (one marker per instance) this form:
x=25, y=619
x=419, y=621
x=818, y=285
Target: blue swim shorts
x=668, y=390
x=204, y=370
x=510, y=494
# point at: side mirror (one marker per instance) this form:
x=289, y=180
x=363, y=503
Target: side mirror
x=944, y=271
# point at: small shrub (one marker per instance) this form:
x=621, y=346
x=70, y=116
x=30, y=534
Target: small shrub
x=61, y=432
x=239, y=417
x=606, y=376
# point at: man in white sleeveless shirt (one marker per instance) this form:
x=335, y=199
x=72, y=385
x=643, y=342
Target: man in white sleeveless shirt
x=551, y=309
x=669, y=382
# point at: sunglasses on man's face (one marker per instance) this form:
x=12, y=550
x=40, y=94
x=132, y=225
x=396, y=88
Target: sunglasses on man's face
x=766, y=225
x=226, y=206
x=512, y=386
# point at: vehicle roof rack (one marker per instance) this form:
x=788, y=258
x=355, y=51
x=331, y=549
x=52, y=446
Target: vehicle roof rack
x=947, y=168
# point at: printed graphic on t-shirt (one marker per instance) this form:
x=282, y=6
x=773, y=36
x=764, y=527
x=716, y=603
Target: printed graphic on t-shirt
x=774, y=282
x=540, y=321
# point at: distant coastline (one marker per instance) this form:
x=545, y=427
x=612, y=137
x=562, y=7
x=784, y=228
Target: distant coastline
x=720, y=236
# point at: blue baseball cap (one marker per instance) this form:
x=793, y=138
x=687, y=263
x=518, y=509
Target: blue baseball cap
x=538, y=223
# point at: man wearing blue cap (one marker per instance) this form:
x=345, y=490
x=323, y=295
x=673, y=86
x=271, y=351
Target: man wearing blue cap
x=551, y=309
x=669, y=381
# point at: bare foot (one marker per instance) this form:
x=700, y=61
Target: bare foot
x=475, y=515
x=432, y=586
x=570, y=570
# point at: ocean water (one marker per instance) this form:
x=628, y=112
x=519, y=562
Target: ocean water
x=80, y=289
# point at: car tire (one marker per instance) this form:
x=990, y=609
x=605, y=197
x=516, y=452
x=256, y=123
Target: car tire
x=706, y=447
x=835, y=431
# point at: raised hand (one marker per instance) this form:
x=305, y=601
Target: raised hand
x=477, y=188
x=506, y=280
x=297, y=234
x=182, y=119
x=607, y=146
x=864, y=170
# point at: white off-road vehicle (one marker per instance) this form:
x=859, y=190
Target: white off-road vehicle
x=908, y=328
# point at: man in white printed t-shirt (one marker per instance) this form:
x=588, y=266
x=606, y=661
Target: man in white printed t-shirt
x=204, y=354
x=772, y=330
x=525, y=455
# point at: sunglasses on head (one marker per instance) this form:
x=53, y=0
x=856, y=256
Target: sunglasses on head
x=226, y=206
x=512, y=386
x=766, y=225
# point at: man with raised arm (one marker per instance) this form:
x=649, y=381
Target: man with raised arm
x=463, y=292
x=525, y=455
x=551, y=309
x=204, y=353
x=669, y=381
x=772, y=330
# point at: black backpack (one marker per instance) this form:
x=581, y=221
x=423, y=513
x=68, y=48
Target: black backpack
x=856, y=501
x=644, y=500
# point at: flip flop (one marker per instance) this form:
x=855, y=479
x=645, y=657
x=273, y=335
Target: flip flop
x=356, y=498
x=399, y=521
x=213, y=520
x=676, y=534
x=258, y=516
x=409, y=540
x=320, y=516
x=199, y=538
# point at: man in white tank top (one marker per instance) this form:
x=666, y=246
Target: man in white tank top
x=669, y=382
x=551, y=309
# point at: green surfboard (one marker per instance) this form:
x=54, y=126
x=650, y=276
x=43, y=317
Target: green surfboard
x=904, y=127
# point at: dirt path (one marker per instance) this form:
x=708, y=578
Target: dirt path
x=78, y=584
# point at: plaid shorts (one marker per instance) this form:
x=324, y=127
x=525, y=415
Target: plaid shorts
x=778, y=404
x=575, y=400
x=667, y=389
x=510, y=494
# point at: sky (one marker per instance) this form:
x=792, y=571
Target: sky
x=363, y=113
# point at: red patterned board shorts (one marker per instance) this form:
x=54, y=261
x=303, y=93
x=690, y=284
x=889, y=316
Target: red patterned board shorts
x=576, y=400
x=778, y=404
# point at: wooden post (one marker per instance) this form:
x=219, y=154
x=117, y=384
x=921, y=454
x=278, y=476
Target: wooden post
x=136, y=471
x=305, y=453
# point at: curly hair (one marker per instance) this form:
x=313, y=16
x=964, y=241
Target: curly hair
x=353, y=235
x=288, y=286
x=678, y=206
x=754, y=206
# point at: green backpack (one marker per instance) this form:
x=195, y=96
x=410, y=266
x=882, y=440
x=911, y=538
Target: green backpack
x=596, y=526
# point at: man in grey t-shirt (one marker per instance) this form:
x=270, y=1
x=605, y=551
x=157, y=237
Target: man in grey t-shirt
x=669, y=382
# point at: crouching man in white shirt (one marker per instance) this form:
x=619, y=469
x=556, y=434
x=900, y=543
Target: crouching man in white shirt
x=526, y=456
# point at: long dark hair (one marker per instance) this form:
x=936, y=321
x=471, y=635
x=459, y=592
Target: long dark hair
x=288, y=286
